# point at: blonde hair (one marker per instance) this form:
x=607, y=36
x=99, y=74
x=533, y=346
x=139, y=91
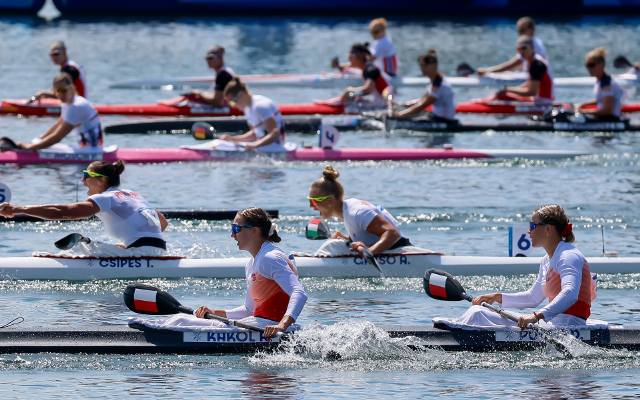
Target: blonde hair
x=378, y=24
x=328, y=184
x=524, y=24
x=598, y=55
x=553, y=214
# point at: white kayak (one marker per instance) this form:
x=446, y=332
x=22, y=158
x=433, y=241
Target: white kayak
x=339, y=80
x=411, y=265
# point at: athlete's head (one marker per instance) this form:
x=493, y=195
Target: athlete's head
x=215, y=57
x=101, y=175
x=237, y=94
x=359, y=54
x=58, y=52
x=252, y=226
x=326, y=193
x=378, y=28
x=429, y=62
x=526, y=26
x=524, y=47
x=595, y=61
x=550, y=222
x=63, y=88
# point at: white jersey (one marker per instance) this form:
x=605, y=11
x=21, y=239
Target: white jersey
x=539, y=49
x=84, y=117
x=261, y=109
x=358, y=214
x=444, y=106
x=568, y=262
x=385, y=55
x=126, y=215
x=273, y=287
x=608, y=87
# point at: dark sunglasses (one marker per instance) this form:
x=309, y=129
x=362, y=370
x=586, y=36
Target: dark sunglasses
x=235, y=228
x=533, y=225
x=590, y=65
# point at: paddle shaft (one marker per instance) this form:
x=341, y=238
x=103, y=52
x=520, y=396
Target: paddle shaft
x=498, y=310
x=227, y=321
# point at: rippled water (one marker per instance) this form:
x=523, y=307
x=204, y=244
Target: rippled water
x=458, y=207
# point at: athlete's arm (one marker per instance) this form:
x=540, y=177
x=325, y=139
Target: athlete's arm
x=513, y=63
x=271, y=127
x=385, y=230
x=163, y=221
x=529, y=88
x=61, y=130
x=417, y=107
x=81, y=210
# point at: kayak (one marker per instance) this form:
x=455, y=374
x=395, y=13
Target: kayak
x=339, y=80
x=147, y=340
x=194, y=154
x=393, y=264
x=181, y=107
x=168, y=108
x=204, y=215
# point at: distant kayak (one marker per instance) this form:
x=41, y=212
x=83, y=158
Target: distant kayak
x=338, y=80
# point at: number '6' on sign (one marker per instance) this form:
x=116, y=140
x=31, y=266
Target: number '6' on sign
x=524, y=243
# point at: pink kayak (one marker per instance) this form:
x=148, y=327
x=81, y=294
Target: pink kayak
x=158, y=155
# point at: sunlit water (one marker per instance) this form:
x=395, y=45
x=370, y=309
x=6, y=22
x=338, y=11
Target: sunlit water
x=458, y=207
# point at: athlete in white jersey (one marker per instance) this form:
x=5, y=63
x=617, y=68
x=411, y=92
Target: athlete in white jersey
x=58, y=54
x=275, y=297
x=267, y=125
x=383, y=51
x=608, y=93
x=127, y=216
x=525, y=27
x=367, y=225
x=564, y=280
x=215, y=97
x=439, y=94
x=77, y=115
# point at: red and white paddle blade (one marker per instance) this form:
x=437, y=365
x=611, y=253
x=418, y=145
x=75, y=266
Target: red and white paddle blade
x=146, y=299
x=441, y=285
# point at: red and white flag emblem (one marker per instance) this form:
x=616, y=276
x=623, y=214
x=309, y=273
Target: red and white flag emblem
x=145, y=300
x=437, y=285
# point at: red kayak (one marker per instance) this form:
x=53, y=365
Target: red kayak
x=180, y=107
x=169, y=108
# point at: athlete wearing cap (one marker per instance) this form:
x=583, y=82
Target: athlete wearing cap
x=58, y=54
x=439, y=93
x=563, y=279
x=538, y=88
x=608, y=93
x=525, y=27
x=383, y=52
x=215, y=97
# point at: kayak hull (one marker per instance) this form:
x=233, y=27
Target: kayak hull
x=397, y=265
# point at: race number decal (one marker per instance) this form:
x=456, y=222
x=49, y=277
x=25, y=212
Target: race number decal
x=328, y=136
x=5, y=193
x=519, y=241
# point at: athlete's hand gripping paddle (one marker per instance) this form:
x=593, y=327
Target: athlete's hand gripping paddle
x=441, y=285
x=146, y=299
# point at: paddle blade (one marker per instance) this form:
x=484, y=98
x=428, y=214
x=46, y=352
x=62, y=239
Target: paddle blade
x=203, y=131
x=441, y=285
x=7, y=144
x=71, y=240
x=622, y=62
x=317, y=229
x=146, y=299
x=464, y=69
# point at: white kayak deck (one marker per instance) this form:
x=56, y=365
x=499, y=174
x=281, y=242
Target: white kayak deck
x=411, y=265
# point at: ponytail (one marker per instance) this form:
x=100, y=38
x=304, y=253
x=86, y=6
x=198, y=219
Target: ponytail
x=111, y=171
x=257, y=217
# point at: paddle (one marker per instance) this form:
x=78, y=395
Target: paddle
x=71, y=240
x=317, y=229
x=146, y=299
x=464, y=69
x=203, y=131
x=622, y=62
x=7, y=144
x=441, y=285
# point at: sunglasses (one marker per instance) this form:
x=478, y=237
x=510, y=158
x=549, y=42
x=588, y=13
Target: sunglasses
x=55, y=54
x=90, y=174
x=318, y=199
x=533, y=225
x=590, y=65
x=235, y=228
